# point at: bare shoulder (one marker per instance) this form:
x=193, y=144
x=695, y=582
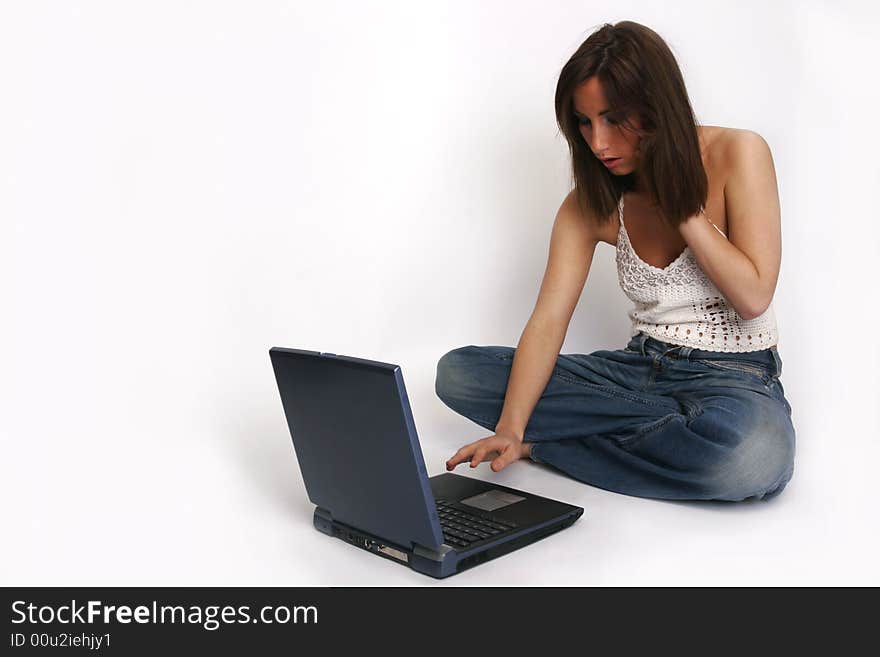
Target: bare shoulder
x=732, y=143
x=591, y=227
x=579, y=220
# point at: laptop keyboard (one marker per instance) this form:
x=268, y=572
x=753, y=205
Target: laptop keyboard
x=461, y=528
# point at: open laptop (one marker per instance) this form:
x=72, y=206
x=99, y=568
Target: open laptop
x=355, y=440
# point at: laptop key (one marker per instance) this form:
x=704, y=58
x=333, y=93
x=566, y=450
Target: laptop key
x=457, y=534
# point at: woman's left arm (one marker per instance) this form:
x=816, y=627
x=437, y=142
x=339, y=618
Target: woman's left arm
x=744, y=267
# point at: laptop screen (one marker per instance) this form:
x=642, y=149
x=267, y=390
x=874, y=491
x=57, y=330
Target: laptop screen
x=356, y=444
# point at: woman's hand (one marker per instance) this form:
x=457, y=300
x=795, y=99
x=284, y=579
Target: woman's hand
x=502, y=448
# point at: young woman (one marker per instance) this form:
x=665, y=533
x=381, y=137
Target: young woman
x=693, y=407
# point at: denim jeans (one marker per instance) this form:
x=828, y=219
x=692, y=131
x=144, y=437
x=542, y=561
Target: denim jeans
x=652, y=420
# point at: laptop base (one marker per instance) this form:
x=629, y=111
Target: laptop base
x=443, y=561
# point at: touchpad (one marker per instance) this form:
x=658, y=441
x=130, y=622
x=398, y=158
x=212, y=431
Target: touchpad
x=491, y=500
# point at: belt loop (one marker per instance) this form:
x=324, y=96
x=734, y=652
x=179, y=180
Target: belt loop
x=686, y=352
x=642, y=337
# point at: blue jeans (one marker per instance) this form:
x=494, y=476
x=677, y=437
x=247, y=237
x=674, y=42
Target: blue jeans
x=652, y=420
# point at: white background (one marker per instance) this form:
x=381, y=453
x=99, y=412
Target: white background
x=185, y=184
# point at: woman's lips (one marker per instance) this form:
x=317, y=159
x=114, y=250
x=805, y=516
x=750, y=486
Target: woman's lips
x=612, y=162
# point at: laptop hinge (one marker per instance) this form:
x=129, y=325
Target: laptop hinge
x=434, y=554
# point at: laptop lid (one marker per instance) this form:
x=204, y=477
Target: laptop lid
x=356, y=443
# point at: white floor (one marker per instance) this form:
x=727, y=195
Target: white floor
x=176, y=494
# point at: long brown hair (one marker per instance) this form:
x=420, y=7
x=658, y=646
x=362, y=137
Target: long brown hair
x=638, y=74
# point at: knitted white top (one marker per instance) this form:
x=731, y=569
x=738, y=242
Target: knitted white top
x=680, y=305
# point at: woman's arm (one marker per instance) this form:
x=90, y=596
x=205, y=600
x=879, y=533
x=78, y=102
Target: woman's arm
x=572, y=246
x=533, y=363
x=744, y=267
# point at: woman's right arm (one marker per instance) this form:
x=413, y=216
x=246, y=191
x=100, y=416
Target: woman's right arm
x=572, y=245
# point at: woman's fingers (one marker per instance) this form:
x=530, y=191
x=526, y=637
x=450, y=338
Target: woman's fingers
x=486, y=449
x=462, y=454
x=466, y=453
x=500, y=450
x=483, y=453
x=478, y=456
x=505, y=458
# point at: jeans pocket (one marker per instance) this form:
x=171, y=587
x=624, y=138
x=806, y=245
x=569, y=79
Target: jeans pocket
x=734, y=365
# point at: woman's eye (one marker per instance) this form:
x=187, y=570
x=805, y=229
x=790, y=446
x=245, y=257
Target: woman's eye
x=610, y=120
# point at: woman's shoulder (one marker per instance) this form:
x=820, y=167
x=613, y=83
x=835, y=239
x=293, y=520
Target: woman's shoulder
x=720, y=141
x=599, y=230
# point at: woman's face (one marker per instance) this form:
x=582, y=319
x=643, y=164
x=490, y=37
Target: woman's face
x=602, y=129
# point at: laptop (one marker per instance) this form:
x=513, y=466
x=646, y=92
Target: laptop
x=361, y=462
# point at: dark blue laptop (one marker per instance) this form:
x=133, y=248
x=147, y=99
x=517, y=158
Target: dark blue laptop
x=355, y=440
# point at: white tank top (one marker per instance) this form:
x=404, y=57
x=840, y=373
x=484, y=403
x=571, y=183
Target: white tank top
x=680, y=305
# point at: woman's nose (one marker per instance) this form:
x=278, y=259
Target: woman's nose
x=600, y=142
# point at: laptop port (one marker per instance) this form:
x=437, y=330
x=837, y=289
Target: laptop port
x=391, y=552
